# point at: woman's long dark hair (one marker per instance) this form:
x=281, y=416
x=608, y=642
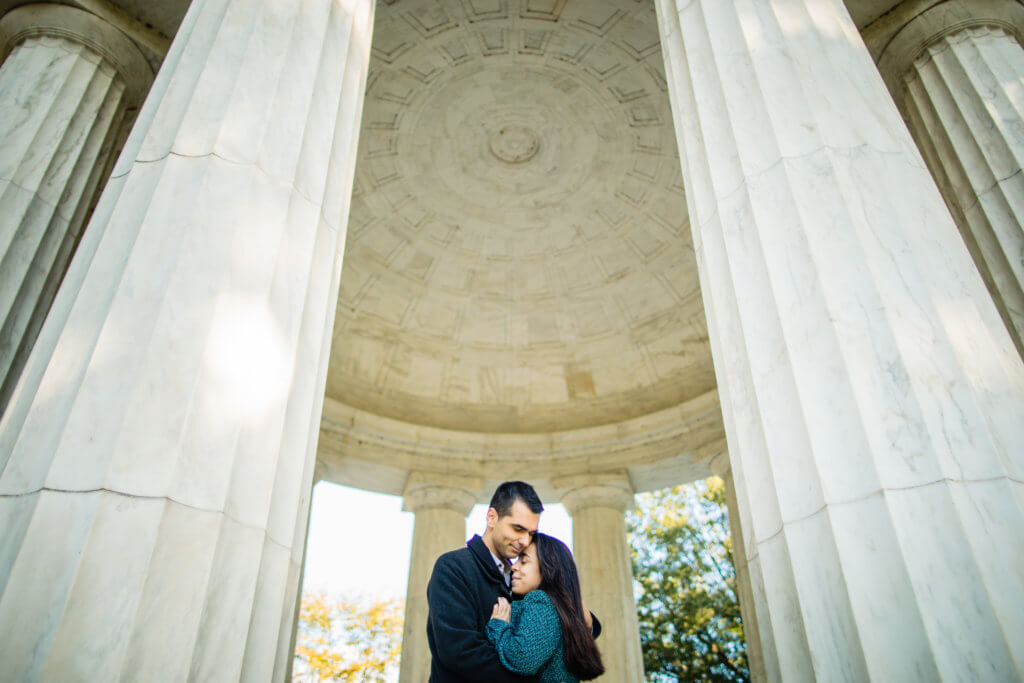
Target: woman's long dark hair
x=559, y=580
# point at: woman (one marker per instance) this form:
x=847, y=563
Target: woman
x=546, y=632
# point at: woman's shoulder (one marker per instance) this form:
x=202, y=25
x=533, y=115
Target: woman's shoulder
x=537, y=597
x=537, y=607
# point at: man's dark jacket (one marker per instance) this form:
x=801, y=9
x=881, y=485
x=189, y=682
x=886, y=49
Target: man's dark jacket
x=461, y=594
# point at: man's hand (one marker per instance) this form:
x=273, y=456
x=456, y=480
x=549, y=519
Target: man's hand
x=502, y=610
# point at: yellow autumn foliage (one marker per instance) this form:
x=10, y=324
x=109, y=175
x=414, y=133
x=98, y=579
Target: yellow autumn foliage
x=347, y=640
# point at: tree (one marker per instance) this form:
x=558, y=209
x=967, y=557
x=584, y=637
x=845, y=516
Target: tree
x=690, y=627
x=348, y=640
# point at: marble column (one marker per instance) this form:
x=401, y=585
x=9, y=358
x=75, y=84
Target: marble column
x=441, y=509
x=157, y=455
x=871, y=394
x=318, y=475
x=66, y=85
x=956, y=69
x=744, y=589
x=598, y=505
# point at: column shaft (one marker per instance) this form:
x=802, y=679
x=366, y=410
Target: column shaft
x=158, y=453
x=440, y=526
x=756, y=648
x=871, y=395
x=964, y=105
x=601, y=551
x=62, y=104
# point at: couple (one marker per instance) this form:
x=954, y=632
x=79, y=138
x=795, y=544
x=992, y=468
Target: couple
x=495, y=621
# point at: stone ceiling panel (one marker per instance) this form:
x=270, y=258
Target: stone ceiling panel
x=518, y=257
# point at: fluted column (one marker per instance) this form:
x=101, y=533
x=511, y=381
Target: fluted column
x=318, y=475
x=871, y=394
x=440, y=508
x=65, y=87
x=158, y=453
x=744, y=588
x=598, y=505
x=956, y=69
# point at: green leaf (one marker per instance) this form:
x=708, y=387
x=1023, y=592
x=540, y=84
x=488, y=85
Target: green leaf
x=690, y=626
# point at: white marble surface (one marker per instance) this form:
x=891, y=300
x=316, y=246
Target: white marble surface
x=440, y=506
x=172, y=405
x=510, y=295
x=744, y=588
x=954, y=69
x=863, y=370
x=61, y=105
x=70, y=82
x=964, y=102
x=657, y=450
x=598, y=505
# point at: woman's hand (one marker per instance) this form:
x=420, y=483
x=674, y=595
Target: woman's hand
x=502, y=610
x=587, y=616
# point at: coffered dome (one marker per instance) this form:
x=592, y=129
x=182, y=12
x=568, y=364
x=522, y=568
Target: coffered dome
x=518, y=257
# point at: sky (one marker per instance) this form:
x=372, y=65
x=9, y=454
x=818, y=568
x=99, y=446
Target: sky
x=359, y=541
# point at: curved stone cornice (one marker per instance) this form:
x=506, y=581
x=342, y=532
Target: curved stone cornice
x=692, y=431
x=897, y=40
x=48, y=19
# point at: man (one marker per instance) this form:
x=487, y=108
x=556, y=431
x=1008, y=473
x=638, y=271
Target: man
x=467, y=582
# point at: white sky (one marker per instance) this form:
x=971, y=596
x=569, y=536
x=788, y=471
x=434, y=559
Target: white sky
x=359, y=541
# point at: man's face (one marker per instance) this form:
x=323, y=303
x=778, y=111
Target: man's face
x=511, y=534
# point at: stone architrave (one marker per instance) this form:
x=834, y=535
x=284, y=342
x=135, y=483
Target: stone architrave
x=66, y=85
x=956, y=70
x=744, y=591
x=871, y=394
x=440, y=507
x=158, y=453
x=598, y=505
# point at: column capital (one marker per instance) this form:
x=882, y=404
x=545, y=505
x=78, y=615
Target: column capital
x=900, y=38
x=720, y=465
x=79, y=26
x=611, y=490
x=425, y=491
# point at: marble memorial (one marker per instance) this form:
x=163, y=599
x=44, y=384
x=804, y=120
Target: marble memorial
x=420, y=247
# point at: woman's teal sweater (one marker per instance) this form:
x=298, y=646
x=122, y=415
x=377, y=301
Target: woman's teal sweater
x=532, y=642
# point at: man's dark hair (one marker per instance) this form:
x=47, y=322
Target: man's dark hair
x=508, y=493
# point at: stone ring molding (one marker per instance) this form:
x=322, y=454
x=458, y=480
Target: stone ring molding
x=656, y=450
x=514, y=144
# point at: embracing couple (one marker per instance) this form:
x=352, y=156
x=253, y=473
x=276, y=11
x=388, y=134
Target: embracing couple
x=507, y=607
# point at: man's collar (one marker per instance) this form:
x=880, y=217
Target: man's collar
x=484, y=556
x=500, y=561
x=487, y=545
x=505, y=567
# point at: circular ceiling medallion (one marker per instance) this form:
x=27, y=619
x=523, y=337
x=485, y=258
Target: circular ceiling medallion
x=518, y=257
x=514, y=144
x=510, y=148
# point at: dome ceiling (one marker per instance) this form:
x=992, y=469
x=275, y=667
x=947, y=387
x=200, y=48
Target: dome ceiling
x=518, y=255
